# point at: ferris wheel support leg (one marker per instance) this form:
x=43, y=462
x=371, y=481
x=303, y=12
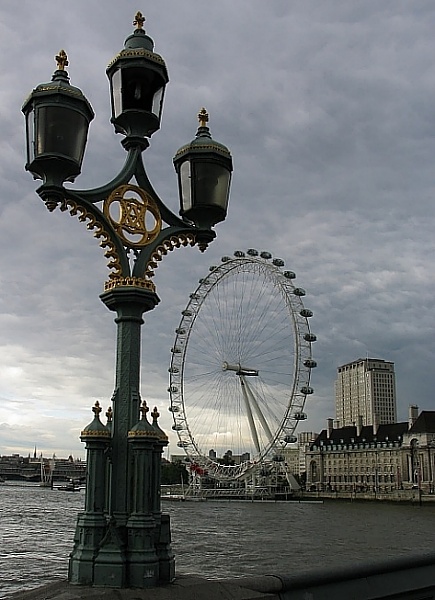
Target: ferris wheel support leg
x=259, y=413
x=249, y=414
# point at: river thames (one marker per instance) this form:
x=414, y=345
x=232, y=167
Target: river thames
x=216, y=539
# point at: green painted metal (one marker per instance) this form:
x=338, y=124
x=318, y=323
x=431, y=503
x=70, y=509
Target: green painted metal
x=91, y=524
x=141, y=525
x=122, y=539
x=129, y=304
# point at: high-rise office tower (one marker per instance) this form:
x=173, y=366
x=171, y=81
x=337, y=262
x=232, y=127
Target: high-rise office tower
x=365, y=392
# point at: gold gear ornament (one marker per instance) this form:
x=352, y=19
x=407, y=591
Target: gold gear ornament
x=132, y=214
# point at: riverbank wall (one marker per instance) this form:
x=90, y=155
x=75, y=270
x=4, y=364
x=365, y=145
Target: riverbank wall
x=404, y=496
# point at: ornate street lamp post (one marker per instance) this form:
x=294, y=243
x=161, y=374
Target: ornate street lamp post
x=122, y=539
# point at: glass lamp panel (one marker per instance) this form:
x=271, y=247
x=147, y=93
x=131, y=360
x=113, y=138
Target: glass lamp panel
x=157, y=102
x=212, y=184
x=61, y=131
x=116, y=93
x=30, y=133
x=185, y=182
x=223, y=188
x=137, y=89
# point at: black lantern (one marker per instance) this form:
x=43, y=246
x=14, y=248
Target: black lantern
x=138, y=77
x=57, y=123
x=204, y=175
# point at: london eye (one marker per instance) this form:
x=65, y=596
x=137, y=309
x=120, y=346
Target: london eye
x=240, y=366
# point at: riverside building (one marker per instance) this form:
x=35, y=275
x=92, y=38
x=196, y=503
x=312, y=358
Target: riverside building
x=365, y=389
x=375, y=458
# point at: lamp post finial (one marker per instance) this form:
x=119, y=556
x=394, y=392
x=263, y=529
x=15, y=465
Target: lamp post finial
x=61, y=60
x=143, y=410
x=96, y=409
x=139, y=20
x=203, y=117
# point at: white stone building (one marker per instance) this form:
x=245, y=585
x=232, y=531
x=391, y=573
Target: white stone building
x=374, y=458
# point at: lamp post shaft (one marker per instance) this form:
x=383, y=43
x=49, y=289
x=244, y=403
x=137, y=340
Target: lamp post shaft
x=129, y=304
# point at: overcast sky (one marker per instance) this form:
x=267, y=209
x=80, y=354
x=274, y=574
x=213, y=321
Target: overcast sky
x=328, y=109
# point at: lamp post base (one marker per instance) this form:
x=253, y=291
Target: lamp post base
x=110, y=567
x=90, y=531
x=143, y=563
x=164, y=551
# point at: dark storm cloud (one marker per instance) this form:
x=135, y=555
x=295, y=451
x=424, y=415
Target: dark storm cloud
x=327, y=108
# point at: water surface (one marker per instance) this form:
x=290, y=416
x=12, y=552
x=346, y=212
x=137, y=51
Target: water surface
x=216, y=539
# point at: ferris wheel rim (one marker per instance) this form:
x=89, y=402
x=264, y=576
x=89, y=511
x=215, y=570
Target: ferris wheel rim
x=303, y=362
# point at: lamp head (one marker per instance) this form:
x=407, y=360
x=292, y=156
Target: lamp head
x=138, y=78
x=204, y=169
x=57, y=122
